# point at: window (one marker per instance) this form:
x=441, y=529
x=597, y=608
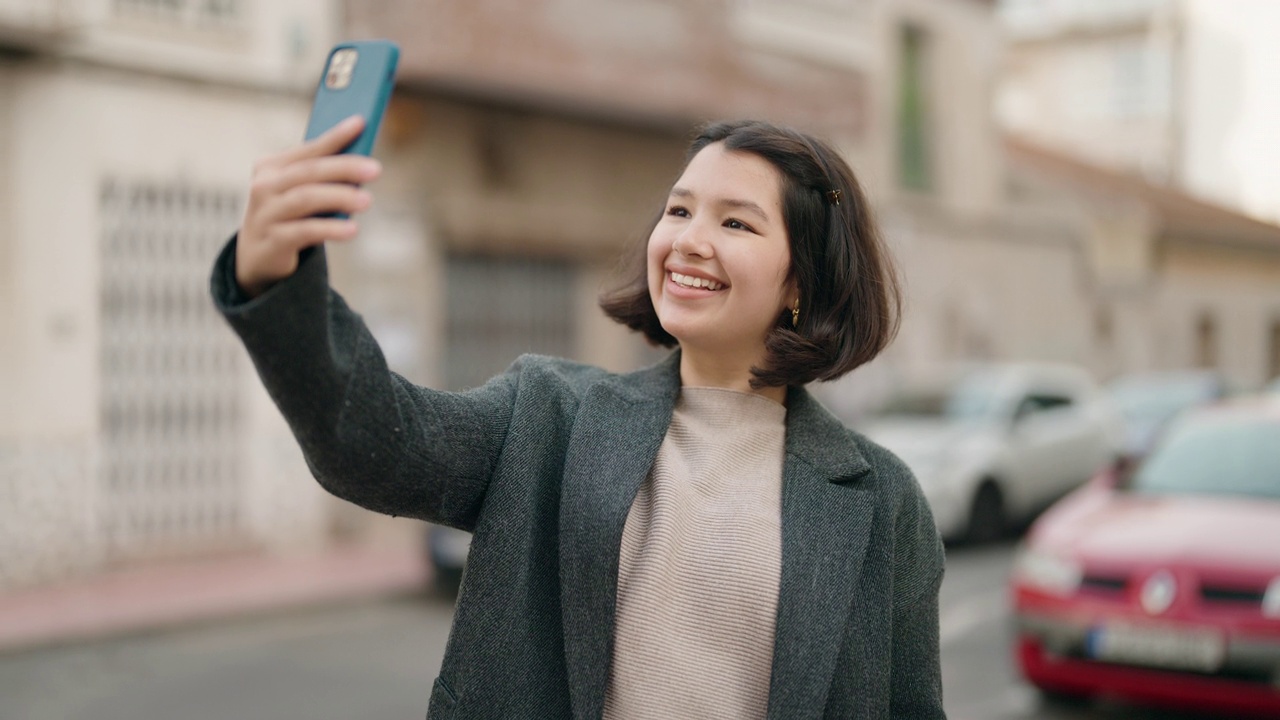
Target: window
x=834, y=6
x=1206, y=351
x=1141, y=82
x=1103, y=325
x=198, y=14
x=1129, y=83
x=1036, y=403
x=170, y=412
x=499, y=308
x=1273, y=365
x=914, y=171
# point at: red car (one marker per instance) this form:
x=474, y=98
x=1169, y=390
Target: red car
x=1160, y=584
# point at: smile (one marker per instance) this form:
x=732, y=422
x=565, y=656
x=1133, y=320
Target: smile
x=689, y=281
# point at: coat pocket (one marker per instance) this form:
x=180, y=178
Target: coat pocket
x=443, y=701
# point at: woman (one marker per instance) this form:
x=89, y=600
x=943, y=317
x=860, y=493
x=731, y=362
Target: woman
x=696, y=539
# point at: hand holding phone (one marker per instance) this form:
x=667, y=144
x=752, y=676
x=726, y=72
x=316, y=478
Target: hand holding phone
x=304, y=196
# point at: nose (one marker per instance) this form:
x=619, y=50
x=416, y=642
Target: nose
x=692, y=242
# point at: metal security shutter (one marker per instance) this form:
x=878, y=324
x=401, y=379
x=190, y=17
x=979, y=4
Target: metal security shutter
x=171, y=476
x=500, y=307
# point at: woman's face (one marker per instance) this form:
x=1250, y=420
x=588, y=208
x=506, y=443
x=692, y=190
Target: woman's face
x=719, y=258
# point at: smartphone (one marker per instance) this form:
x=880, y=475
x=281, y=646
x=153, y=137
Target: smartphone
x=357, y=80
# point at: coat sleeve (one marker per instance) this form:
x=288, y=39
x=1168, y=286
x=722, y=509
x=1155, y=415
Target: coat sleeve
x=916, y=673
x=368, y=435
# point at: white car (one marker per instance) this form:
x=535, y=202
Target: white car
x=993, y=445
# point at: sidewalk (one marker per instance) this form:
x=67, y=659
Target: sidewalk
x=173, y=594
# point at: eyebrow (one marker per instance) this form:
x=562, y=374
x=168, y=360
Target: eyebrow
x=728, y=202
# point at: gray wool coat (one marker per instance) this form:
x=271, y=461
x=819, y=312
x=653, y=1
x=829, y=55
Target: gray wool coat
x=542, y=464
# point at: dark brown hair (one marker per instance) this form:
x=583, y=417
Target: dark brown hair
x=850, y=299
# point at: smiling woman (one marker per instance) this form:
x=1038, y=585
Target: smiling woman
x=700, y=538
x=819, y=296
x=718, y=269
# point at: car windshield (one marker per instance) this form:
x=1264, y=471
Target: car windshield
x=975, y=396
x=1215, y=456
x=1158, y=399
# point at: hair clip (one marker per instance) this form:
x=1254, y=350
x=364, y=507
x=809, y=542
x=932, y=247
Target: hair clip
x=834, y=196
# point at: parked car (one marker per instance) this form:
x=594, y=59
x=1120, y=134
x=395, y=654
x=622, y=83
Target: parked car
x=992, y=445
x=1148, y=401
x=1160, y=583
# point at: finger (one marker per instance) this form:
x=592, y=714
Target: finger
x=327, y=143
x=301, y=234
x=313, y=199
x=349, y=169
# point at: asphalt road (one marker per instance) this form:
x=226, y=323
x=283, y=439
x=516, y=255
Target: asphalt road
x=375, y=661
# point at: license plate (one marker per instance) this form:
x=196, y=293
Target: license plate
x=1163, y=647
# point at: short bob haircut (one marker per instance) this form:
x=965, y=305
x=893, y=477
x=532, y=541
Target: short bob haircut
x=850, y=298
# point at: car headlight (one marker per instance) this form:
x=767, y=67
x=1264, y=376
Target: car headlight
x=1271, y=600
x=1047, y=571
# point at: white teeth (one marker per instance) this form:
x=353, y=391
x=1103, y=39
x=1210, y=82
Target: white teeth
x=695, y=282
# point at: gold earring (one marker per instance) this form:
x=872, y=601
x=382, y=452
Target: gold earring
x=795, y=313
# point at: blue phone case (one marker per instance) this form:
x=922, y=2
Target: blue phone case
x=372, y=78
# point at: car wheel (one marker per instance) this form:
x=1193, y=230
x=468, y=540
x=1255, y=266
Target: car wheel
x=987, y=520
x=447, y=581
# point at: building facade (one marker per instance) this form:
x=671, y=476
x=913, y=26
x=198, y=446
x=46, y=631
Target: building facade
x=1179, y=91
x=530, y=101
x=130, y=427
x=527, y=148
x=1170, y=104
x=1177, y=282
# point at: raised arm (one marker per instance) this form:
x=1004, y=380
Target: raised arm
x=369, y=435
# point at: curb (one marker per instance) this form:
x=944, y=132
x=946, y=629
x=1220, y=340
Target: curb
x=172, y=595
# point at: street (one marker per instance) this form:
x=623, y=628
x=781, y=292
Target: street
x=376, y=661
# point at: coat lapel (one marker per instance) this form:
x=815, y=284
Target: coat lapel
x=619, y=428
x=826, y=521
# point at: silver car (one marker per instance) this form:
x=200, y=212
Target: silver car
x=1149, y=401
x=992, y=445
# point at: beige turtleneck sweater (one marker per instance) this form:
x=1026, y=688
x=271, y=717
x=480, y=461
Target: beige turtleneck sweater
x=700, y=564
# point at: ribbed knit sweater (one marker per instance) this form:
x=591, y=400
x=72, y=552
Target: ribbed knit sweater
x=700, y=563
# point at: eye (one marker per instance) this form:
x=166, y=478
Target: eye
x=678, y=211
x=738, y=225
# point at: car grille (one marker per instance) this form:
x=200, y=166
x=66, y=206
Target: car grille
x=1219, y=594
x=1104, y=584
x=1210, y=594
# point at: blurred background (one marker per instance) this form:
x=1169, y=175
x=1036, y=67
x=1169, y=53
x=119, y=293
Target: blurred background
x=1081, y=194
